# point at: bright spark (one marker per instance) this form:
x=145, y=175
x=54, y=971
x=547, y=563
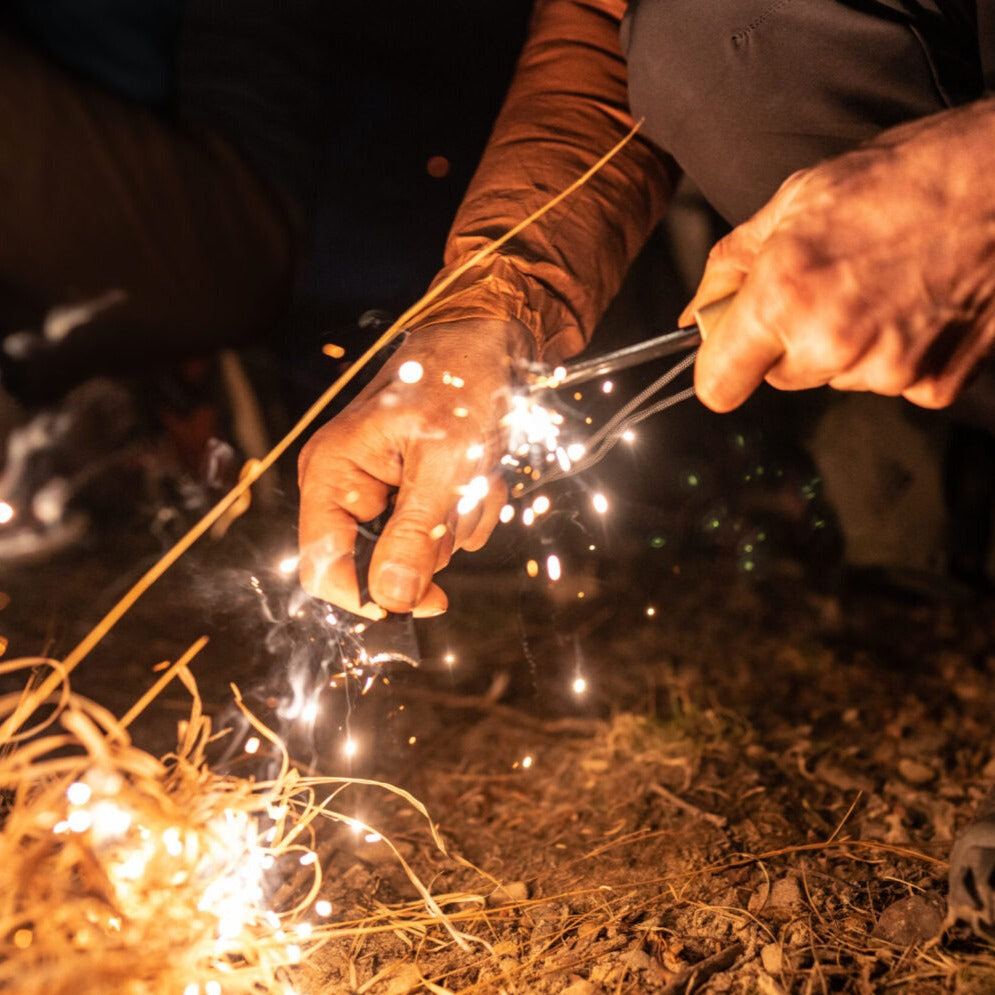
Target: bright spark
x=6, y=512
x=600, y=503
x=541, y=504
x=553, y=568
x=579, y=685
x=607, y=387
x=288, y=565
x=475, y=452
x=628, y=435
x=473, y=493
x=322, y=908
x=507, y=514
x=650, y=611
x=410, y=372
x=79, y=821
x=532, y=568
x=252, y=744
x=78, y=793
x=528, y=517
x=527, y=762
x=350, y=748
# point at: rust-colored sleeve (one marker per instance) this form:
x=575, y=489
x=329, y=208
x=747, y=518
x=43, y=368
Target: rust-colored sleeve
x=566, y=107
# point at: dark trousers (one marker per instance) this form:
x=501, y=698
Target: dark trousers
x=742, y=93
x=125, y=239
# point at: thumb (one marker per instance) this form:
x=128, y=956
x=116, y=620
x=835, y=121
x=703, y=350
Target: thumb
x=733, y=256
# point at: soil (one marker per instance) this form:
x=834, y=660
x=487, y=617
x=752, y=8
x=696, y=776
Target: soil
x=755, y=790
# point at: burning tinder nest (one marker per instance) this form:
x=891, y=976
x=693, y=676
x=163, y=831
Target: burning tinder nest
x=124, y=873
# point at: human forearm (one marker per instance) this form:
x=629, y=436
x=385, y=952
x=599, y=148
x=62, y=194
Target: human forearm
x=567, y=105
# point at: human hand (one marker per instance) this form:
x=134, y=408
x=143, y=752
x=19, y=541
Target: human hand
x=426, y=439
x=872, y=271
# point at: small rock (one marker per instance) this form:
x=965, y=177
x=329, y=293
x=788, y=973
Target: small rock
x=909, y=920
x=770, y=957
x=637, y=960
x=915, y=772
x=785, y=893
x=766, y=985
x=582, y=987
x=407, y=978
x=508, y=894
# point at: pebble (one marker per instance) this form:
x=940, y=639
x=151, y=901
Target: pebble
x=909, y=920
x=915, y=772
x=770, y=957
x=582, y=987
x=785, y=893
x=508, y=894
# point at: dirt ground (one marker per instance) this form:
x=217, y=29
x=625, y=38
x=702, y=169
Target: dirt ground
x=701, y=776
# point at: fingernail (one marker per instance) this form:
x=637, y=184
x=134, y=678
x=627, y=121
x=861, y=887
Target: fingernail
x=400, y=583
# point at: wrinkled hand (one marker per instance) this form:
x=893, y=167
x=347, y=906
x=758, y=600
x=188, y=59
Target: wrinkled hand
x=872, y=271
x=427, y=440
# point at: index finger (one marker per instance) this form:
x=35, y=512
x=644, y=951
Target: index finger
x=327, y=538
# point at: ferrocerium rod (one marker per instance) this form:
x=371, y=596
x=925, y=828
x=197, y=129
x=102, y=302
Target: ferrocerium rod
x=680, y=340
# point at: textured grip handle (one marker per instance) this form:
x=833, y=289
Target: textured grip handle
x=709, y=317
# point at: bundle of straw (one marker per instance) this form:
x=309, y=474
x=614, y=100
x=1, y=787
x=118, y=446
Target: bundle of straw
x=120, y=872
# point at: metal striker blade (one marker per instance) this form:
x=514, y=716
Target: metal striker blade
x=392, y=639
